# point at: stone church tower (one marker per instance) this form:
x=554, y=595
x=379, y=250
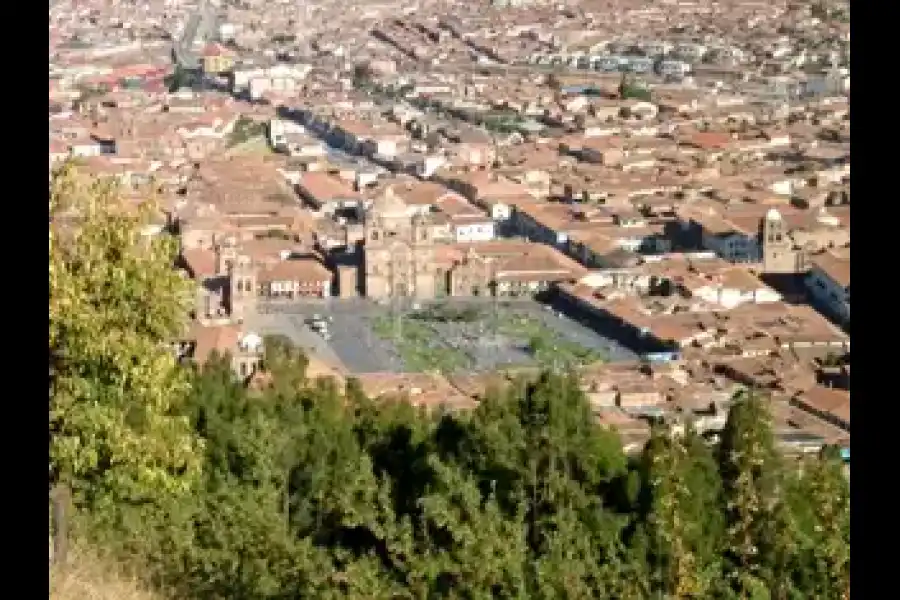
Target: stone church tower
x=242, y=290
x=423, y=252
x=776, y=246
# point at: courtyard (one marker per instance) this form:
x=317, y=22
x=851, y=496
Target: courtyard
x=447, y=337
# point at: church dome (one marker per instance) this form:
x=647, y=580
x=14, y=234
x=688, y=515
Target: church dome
x=388, y=205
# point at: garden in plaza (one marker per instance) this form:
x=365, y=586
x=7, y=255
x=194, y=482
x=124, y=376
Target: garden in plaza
x=480, y=337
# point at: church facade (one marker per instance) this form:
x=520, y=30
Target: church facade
x=398, y=252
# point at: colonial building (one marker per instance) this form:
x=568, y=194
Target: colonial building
x=295, y=279
x=778, y=252
x=506, y=269
x=226, y=283
x=226, y=294
x=242, y=288
x=780, y=241
x=829, y=283
x=217, y=59
x=402, y=257
x=231, y=278
x=398, y=252
x=243, y=348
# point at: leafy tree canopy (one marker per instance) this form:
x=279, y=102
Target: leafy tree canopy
x=118, y=435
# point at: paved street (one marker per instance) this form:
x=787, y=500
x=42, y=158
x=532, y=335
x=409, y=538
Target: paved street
x=293, y=327
x=353, y=343
x=361, y=350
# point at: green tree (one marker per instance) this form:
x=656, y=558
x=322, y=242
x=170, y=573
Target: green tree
x=245, y=129
x=290, y=503
x=286, y=364
x=179, y=78
x=629, y=89
x=244, y=545
x=473, y=550
x=536, y=449
x=818, y=494
x=116, y=307
x=751, y=476
x=681, y=501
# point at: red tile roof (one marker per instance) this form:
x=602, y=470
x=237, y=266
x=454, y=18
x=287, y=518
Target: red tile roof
x=200, y=263
x=709, y=140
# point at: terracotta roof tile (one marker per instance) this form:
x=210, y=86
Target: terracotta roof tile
x=303, y=270
x=200, y=263
x=218, y=338
x=837, y=268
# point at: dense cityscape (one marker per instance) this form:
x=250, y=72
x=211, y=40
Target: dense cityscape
x=502, y=299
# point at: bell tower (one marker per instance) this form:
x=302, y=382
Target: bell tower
x=775, y=245
x=374, y=231
x=226, y=256
x=242, y=289
x=422, y=246
x=421, y=231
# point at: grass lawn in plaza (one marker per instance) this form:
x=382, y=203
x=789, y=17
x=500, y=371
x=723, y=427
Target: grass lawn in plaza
x=419, y=346
x=546, y=346
x=452, y=339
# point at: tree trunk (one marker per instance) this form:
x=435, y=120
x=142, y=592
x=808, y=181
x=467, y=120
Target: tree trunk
x=61, y=497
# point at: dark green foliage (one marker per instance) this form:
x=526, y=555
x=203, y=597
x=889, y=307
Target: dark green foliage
x=629, y=89
x=680, y=525
x=308, y=493
x=179, y=78
x=245, y=129
x=505, y=124
x=448, y=314
x=362, y=75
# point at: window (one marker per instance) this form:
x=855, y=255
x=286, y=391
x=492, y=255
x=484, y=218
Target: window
x=240, y=285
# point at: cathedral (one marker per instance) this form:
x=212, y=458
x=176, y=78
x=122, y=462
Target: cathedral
x=400, y=255
x=398, y=252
